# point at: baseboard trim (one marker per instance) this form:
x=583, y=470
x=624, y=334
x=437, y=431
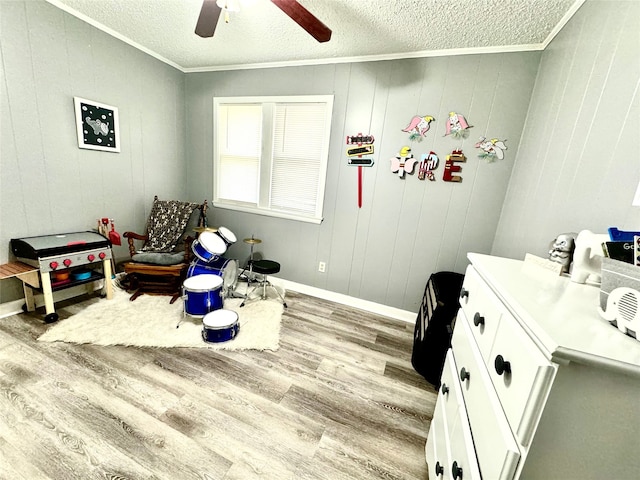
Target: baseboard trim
x=366, y=305
x=15, y=307
x=11, y=308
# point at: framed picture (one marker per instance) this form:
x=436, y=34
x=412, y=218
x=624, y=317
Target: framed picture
x=97, y=125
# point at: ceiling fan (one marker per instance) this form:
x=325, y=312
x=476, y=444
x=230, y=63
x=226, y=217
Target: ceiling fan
x=210, y=13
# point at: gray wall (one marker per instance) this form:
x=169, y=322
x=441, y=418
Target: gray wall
x=579, y=161
x=47, y=184
x=576, y=165
x=406, y=229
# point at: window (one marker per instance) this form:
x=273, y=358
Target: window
x=270, y=154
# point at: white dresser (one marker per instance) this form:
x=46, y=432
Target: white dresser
x=536, y=385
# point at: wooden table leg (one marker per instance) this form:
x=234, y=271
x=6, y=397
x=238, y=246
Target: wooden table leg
x=29, y=298
x=47, y=292
x=108, y=284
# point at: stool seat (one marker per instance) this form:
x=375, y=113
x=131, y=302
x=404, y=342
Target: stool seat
x=266, y=267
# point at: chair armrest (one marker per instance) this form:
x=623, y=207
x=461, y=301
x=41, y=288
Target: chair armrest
x=131, y=236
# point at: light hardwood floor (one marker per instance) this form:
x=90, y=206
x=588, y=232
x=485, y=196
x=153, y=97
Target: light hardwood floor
x=338, y=400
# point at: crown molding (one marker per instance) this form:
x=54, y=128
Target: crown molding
x=324, y=61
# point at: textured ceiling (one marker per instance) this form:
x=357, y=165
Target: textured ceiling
x=261, y=34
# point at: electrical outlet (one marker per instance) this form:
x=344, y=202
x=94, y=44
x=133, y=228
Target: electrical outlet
x=322, y=267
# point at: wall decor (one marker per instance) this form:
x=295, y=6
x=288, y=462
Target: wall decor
x=418, y=127
x=360, y=139
x=360, y=150
x=403, y=162
x=457, y=126
x=428, y=163
x=491, y=149
x=450, y=167
x=97, y=125
x=364, y=143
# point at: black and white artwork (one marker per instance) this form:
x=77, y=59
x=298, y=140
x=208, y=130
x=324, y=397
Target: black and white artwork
x=97, y=125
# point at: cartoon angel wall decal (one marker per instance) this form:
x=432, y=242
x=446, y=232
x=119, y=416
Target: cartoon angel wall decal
x=418, y=127
x=491, y=149
x=457, y=126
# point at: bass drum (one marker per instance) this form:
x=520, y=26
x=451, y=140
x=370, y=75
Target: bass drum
x=226, y=268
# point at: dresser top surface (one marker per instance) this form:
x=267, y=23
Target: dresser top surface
x=561, y=316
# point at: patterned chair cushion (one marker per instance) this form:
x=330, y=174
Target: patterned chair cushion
x=167, y=222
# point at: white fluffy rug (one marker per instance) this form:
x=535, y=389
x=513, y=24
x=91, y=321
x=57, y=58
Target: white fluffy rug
x=150, y=321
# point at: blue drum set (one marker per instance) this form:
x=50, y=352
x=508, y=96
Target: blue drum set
x=210, y=278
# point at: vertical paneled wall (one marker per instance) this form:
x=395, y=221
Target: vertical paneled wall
x=406, y=228
x=47, y=184
x=579, y=161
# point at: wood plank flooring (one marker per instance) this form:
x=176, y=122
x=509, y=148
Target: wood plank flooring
x=338, y=400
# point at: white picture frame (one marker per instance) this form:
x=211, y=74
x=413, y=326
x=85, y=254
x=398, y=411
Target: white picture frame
x=97, y=125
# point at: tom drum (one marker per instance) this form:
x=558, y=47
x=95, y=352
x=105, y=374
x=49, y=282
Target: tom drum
x=202, y=294
x=208, y=246
x=220, y=326
x=227, y=236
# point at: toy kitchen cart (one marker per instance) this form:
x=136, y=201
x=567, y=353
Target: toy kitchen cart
x=54, y=262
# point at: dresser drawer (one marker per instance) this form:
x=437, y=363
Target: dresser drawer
x=447, y=406
x=462, y=455
x=496, y=448
x=437, y=446
x=521, y=375
x=450, y=394
x=482, y=309
x=449, y=448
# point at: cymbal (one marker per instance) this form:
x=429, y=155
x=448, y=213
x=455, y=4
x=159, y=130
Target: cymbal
x=205, y=229
x=252, y=240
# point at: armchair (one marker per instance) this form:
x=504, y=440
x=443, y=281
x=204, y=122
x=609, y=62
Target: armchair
x=160, y=266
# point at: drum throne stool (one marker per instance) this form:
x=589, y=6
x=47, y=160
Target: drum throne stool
x=160, y=266
x=264, y=268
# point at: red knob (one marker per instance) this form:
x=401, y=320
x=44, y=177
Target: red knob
x=102, y=255
x=91, y=257
x=53, y=265
x=66, y=262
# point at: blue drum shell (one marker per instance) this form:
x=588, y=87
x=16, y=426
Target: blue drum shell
x=217, y=335
x=220, y=326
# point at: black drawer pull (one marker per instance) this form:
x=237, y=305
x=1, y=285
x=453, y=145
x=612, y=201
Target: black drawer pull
x=444, y=389
x=464, y=293
x=464, y=374
x=478, y=319
x=456, y=471
x=439, y=469
x=502, y=366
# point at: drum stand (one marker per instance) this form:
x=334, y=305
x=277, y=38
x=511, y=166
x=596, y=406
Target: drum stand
x=250, y=276
x=231, y=293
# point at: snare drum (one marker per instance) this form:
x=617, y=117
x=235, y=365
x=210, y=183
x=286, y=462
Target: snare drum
x=202, y=294
x=227, y=236
x=220, y=326
x=208, y=246
x=223, y=267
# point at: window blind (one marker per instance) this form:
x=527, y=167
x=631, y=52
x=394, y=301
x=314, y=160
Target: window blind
x=239, y=137
x=298, y=149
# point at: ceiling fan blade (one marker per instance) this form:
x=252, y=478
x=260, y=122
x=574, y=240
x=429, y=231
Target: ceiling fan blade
x=208, y=18
x=305, y=19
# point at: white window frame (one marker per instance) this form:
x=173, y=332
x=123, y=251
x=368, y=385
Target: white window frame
x=263, y=207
